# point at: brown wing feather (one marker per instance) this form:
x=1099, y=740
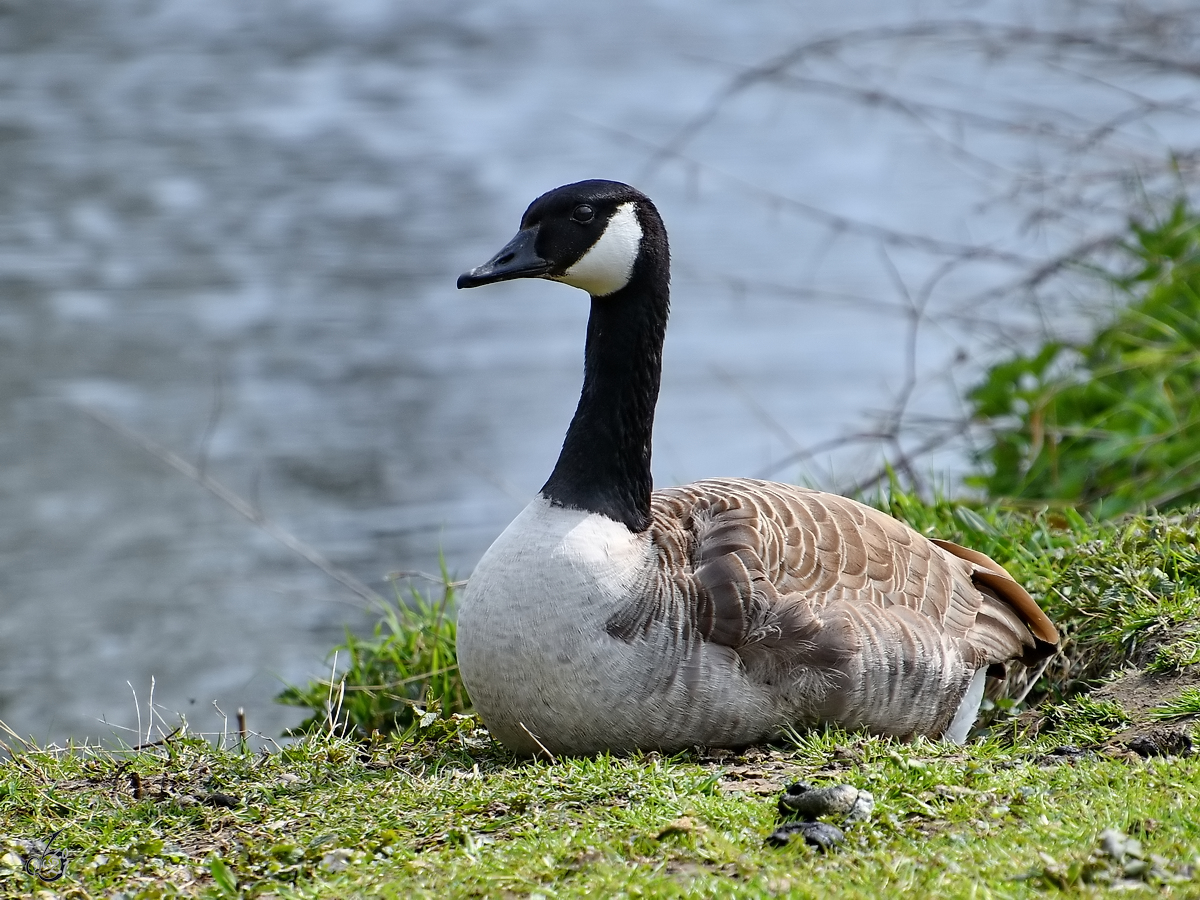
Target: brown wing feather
x=991, y=574
x=795, y=580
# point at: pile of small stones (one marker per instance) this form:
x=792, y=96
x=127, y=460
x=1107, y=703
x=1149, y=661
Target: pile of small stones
x=808, y=804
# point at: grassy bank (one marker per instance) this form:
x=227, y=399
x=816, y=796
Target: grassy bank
x=453, y=816
x=437, y=810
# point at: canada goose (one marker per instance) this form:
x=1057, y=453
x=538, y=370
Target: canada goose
x=608, y=616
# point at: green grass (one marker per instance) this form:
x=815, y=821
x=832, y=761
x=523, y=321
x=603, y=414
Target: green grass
x=1085, y=720
x=1176, y=656
x=387, y=682
x=451, y=815
x=1186, y=704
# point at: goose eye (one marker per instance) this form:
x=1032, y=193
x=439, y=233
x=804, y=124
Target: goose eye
x=583, y=214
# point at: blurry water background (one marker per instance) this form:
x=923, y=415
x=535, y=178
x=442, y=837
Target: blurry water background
x=235, y=228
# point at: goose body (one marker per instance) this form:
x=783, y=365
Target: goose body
x=608, y=616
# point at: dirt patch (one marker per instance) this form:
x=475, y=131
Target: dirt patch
x=1139, y=692
x=755, y=770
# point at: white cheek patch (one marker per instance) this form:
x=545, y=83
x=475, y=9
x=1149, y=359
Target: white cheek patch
x=608, y=263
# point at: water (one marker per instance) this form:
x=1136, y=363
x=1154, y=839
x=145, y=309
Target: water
x=236, y=229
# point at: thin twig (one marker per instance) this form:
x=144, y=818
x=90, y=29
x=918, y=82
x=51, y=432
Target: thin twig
x=214, y=417
x=150, y=711
x=235, y=501
x=162, y=741
x=137, y=707
x=425, y=576
x=334, y=710
x=28, y=745
x=1033, y=679
x=758, y=409
x=541, y=746
x=225, y=725
x=927, y=446
x=395, y=684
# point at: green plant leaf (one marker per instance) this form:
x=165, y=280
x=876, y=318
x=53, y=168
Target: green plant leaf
x=1112, y=423
x=222, y=876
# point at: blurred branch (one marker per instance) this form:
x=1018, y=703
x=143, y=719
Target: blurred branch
x=836, y=221
x=235, y=501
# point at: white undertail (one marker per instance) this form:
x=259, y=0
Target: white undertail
x=968, y=709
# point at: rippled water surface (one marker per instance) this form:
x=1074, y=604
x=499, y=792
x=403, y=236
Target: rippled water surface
x=235, y=228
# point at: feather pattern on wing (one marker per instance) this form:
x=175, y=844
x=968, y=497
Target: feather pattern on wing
x=850, y=615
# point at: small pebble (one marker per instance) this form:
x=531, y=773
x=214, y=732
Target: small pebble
x=216, y=798
x=1070, y=751
x=1118, y=846
x=864, y=805
x=1136, y=868
x=804, y=801
x=337, y=860
x=1161, y=742
x=682, y=825
x=821, y=835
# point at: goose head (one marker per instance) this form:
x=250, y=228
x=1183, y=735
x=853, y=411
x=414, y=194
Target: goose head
x=590, y=235
x=605, y=238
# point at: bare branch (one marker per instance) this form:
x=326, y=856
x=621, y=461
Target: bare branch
x=233, y=500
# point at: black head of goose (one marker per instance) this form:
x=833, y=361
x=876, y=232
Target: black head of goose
x=609, y=616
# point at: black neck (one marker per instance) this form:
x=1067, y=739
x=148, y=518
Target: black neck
x=604, y=466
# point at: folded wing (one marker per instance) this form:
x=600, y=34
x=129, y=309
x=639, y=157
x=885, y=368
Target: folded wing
x=850, y=615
